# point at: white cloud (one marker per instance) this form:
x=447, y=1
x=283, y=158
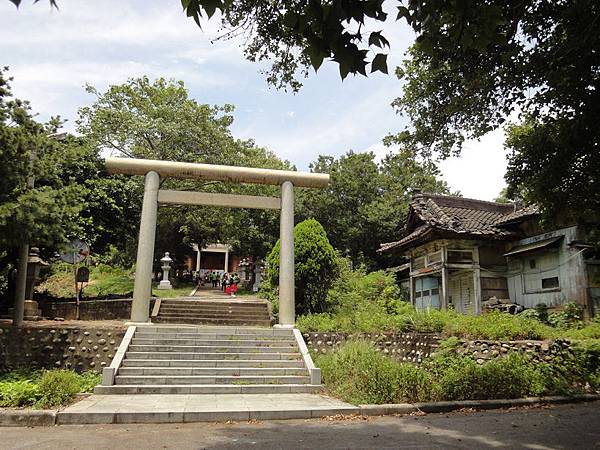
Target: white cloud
x=479, y=171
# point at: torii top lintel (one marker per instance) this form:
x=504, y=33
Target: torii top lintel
x=130, y=166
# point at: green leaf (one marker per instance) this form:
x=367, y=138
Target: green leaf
x=377, y=39
x=403, y=12
x=379, y=63
x=316, y=56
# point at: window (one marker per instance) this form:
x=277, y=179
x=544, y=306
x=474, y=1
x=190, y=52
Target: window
x=460, y=256
x=550, y=283
x=532, y=263
x=418, y=263
x=418, y=294
x=433, y=258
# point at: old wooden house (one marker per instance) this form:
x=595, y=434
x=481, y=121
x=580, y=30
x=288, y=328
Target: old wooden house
x=462, y=252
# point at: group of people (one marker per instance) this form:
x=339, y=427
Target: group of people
x=227, y=282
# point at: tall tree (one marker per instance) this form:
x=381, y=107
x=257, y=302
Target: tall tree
x=43, y=215
x=366, y=202
x=157, y=119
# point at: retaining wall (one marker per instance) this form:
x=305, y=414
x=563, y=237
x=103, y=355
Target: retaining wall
x=58, y=347
x=89, y=309
x=411, y=347
x=415, y=347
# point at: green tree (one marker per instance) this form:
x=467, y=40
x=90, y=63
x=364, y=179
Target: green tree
x=158, y=120
x=315, y=266
x=44, y=215
x=366, y=201
x=472, y=65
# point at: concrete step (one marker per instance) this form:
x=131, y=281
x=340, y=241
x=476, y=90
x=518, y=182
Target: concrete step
x=215, y=315
x=155, y=380
x=222, y=355
x=203, y=303
x=208, y=389
x=211, y=321
x=214, y=342
x=211, y=371
x=217, y=306
x=210, y=329
x=210, y=348
x=214, y=336
x=214, y=363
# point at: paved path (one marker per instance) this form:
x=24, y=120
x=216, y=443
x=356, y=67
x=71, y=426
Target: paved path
x=560, y=427
x=205, y=407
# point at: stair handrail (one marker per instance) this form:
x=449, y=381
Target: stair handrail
x=315, y=372
x=109, y=373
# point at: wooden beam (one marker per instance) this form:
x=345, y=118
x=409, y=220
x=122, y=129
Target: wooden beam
x=213, y=199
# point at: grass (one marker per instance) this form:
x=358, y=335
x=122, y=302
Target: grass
x=358, y=373
x=104, y=280
x=179, y=290
x=44, y=388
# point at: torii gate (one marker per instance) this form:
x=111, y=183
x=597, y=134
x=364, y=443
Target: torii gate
x=154, y=169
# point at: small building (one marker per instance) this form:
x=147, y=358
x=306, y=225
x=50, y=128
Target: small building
x=463, y=252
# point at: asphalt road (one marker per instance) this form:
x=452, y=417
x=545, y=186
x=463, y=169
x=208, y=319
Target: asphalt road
x=561, y=427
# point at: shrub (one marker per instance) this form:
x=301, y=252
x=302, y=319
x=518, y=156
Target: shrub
x=462, y=378
x=18, y=393
x=358, y=373
x=88, y=380
x=58, y=387
x=315, y=266
x=570, y=317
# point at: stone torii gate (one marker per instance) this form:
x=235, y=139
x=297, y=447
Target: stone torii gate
x=154, y=169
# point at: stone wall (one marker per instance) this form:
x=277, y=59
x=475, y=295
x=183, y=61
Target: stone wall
x=415, y=347
x=58, y=346
x=483, y=350
x=411, y=347
x=89, y=309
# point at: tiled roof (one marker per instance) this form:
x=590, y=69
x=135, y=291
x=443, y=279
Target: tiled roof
x=457, y=216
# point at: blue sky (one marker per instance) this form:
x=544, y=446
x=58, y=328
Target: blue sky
x=52, y=54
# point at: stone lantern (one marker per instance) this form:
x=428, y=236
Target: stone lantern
x=166, y=267
x=258, y=275
x=34, y=263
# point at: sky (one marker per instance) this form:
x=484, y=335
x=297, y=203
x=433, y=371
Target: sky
x=53, y=54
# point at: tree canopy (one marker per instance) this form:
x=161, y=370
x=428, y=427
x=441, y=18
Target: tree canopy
x=158, y=120
x=366, y=201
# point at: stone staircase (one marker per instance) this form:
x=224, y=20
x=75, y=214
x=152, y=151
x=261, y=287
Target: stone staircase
x=178, y=359
x=212, y=312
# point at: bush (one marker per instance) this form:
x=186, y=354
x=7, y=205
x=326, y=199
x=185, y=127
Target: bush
x=44, y=389
x=315, y=266
x=18, y=393
x=58, y=387
x=462, y=378
x=358, y=373
x=570, y=317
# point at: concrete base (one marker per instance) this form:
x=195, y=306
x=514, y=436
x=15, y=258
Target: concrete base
x=103, y=409
x=284, y=326
x=164, y=285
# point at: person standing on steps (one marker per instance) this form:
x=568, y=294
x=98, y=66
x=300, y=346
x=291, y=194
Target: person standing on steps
x=224, y=283
x=235, y=279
